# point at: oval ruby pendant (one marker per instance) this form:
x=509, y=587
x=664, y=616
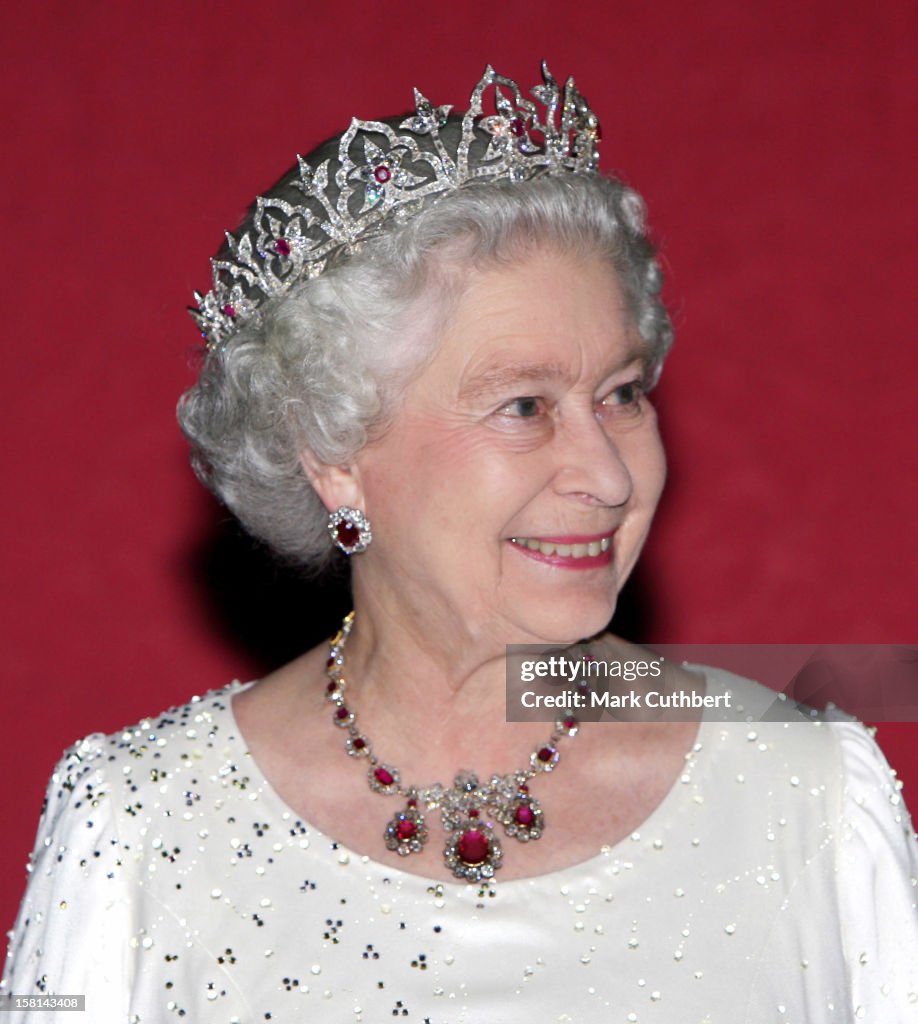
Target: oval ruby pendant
x=473, y=847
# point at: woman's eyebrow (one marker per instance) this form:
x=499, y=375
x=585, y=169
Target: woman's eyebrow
x=637, y=353
x=503, y=377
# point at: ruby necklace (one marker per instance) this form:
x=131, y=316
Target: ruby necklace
x=470, y=810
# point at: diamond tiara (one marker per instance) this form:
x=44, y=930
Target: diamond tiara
x=378, y=171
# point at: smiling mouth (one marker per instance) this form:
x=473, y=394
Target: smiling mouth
x=567, y=548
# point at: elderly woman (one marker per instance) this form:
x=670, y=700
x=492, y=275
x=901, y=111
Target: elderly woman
x=430, y=346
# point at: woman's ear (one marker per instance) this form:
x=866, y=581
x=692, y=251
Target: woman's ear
x=335, y=485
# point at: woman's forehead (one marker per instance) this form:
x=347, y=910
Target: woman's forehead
x=538, y=319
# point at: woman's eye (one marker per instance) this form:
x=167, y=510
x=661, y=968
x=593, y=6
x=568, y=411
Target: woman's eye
x=524, y=408
x=626, y=397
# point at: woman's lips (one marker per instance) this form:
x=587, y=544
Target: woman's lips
x=569, y=552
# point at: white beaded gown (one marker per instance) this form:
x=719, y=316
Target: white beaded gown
x=776, y=882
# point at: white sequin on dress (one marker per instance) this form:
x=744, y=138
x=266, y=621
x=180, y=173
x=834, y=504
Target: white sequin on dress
x=775, y=883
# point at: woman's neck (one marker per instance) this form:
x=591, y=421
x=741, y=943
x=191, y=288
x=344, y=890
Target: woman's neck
x=432, y=700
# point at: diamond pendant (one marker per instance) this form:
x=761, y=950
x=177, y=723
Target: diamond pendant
x=472, y=851
x=523, y=818
x=407, y=832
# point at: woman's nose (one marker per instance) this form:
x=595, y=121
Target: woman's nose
x=590, y=463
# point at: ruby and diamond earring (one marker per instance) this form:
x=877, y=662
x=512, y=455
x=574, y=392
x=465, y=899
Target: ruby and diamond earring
x=349, y=530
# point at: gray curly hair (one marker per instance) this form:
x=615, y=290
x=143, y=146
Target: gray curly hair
x=324, y=368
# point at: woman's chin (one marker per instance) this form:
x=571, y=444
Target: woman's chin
x=566, y=622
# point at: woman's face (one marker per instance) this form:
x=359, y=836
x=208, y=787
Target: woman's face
x=513, y=492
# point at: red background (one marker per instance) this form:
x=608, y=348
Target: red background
x=775, y=144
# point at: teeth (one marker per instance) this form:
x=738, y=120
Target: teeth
x=544, y=547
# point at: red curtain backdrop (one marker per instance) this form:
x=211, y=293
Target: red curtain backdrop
x=775, y=144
